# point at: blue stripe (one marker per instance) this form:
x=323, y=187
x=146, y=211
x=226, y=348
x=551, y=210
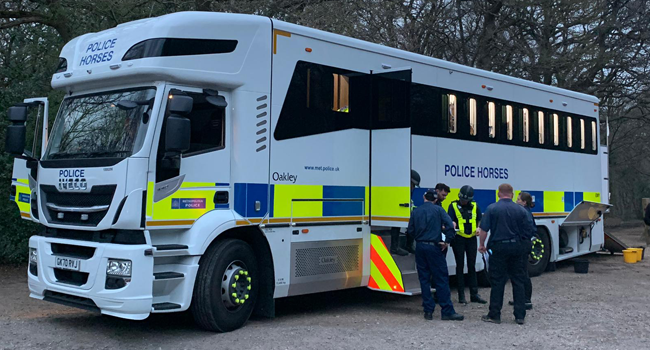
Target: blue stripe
x=579, y=197
x=484, y=198
x=538, y=199
x=568, y=201
x=12, y=198
x=271, y=201
x=343, y=208
x=417, y=196
x=240, y=199
x=14, y=179
x=256, y=193
x=221, y=184
x=221, y=206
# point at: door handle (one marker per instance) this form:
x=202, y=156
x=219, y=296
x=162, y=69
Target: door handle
x=406, y=205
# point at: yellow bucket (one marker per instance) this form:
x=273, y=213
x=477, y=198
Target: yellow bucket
x=630, y=256
x=639, y=253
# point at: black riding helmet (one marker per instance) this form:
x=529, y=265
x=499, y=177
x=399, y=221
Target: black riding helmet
x=466, y=193
x=415, y=178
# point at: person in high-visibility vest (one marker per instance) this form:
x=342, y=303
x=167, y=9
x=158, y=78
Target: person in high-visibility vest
x=466, y=214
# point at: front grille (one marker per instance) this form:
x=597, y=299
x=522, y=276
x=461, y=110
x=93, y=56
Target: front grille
x=73, y=251
x=74, y=278
x=98, y=195
x=70, y=300
x=105, y=236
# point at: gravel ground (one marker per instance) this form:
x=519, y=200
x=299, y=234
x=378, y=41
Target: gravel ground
x=609, y=308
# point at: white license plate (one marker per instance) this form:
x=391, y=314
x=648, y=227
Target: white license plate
x=67, y=263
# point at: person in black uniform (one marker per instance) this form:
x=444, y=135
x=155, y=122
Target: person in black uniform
x=395, y=231
x=526, y=200
x=509, y=225
x=425, y=226
x=466, y=214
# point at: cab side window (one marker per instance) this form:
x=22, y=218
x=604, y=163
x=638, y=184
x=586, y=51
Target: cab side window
x=208, y=126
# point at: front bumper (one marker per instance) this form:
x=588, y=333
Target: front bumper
x=134, y=301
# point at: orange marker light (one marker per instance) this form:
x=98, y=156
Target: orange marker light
x=483, y=86
x=551, y=101
x=595, y=110
x=308, y=49
x=552, y=221
x=305, y=230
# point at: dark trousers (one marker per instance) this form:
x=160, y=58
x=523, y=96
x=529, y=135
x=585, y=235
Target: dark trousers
x=395, y=239
x=462, y=246
x=432, y=265
x=505, y=262
x=528, y=286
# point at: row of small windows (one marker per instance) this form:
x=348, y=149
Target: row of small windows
x=323, y=99
x=525, y=115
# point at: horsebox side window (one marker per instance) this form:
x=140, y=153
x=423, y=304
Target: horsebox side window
x=526, y=124
x=472, y=116
x=556, y=129
x=569, y=132
x=594, y=136
x=540, y=128
x=452, y=108
x=509, y=123
x=492, y=119
x=319, y=99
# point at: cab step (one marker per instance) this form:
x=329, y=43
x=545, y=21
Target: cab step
x=165, y=306
x=167, y=275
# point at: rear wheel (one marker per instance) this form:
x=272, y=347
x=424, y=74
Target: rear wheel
x=226, y=286
x=540, y=254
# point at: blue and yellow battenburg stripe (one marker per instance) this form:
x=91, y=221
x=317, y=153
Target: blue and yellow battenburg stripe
x=22, y=197
x=546, y=202
x=317, y=203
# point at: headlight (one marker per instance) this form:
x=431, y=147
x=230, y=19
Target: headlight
x=118, y=268
x=33, y=256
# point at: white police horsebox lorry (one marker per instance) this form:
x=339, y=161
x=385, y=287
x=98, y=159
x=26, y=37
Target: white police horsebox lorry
x=215, y=162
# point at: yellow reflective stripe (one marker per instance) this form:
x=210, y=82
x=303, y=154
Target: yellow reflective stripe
x=553, y=201
x=277, y=32
x=591, y=197
x=23, y=189
x=378, y=277
x=385, y=256
x=452, y=196
x=386, y=201
x=197, y=184
x=150, y=199
x=285, y=206
x=163, y=209
x=171, y=223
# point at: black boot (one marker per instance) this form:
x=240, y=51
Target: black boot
x=461, y=298
x=410, y=246
x=394, y=243
x=477, y=299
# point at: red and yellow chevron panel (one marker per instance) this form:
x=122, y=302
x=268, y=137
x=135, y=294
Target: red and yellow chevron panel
x=384, y=273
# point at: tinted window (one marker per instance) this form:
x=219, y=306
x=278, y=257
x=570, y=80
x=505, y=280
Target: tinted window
x=323, y=99
x=208, y=126
x=165, y=47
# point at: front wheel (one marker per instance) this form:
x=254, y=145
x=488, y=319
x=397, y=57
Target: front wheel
x=540, y=253
x=226, y=286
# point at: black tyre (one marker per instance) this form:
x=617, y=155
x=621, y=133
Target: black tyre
x=541, y=253
x=226, y=286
